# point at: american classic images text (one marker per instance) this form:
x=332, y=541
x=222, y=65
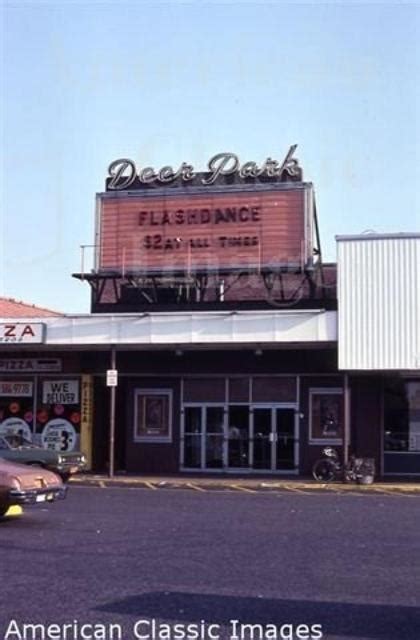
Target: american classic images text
x=151, y=629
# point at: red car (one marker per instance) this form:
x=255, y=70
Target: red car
x=20, y=484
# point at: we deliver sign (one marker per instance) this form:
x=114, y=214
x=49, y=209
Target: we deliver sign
x=60, y=392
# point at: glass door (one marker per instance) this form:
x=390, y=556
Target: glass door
x=238, y=437
x=285, y=439
x=192, y=442
x=262, y=441
x=258, y=437
x=204, y=437
x=274, y=438
x=214, y=424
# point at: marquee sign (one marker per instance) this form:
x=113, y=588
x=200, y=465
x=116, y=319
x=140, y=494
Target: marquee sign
x=233, y=229
x=124, y=175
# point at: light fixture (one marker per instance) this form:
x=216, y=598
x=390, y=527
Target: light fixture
x=258, y=352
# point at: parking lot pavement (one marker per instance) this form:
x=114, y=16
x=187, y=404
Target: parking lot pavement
x=346, y=562
x=246, y=484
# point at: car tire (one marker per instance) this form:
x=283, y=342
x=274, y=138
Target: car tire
x=64, y=476
x=3, y=509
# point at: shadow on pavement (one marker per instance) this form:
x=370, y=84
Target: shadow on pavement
x=367, y=621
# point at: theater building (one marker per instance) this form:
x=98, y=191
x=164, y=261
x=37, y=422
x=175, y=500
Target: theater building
x=233, y=347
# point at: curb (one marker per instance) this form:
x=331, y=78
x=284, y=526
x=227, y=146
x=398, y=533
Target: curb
x=241, y=485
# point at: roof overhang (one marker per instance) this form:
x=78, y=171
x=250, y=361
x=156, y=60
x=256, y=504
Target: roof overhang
x=213, y=329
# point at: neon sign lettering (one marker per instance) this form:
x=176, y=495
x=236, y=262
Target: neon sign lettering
x=123, y=172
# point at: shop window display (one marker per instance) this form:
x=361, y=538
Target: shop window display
x=402, y=415
x=326, y=416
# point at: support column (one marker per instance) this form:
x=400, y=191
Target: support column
x=347, y=419
x=113, y=390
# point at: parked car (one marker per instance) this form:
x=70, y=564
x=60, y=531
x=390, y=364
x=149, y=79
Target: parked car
x=20, y=484
x=16, y=448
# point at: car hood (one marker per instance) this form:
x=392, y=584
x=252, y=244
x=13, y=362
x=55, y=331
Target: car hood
x=25, y=473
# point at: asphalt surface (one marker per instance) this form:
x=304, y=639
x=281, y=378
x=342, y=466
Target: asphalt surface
x=114, y=556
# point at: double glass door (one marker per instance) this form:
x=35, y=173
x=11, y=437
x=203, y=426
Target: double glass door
x=204, y=437
x=275, y=438
x=255, y=437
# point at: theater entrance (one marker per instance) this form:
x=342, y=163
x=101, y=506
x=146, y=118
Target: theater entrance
x=260, y=438
x=274, y=438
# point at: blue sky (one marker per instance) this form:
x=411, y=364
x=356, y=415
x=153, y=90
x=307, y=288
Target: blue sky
x=84, y=83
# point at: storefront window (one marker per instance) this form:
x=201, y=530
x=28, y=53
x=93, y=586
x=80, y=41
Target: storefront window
x=326, y=416
x=58, y=414
x=16, y=407
x=192, y=438
x=402, y=415
x=152, y=415
x=45, y=411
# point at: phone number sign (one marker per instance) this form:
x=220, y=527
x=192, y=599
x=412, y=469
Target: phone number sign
x=13, y=388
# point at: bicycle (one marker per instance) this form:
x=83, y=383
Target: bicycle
x=329, y=468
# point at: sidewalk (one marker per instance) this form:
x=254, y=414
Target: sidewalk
x=249, y=484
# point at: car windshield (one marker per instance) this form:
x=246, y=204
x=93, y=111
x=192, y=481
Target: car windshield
x=16, y=440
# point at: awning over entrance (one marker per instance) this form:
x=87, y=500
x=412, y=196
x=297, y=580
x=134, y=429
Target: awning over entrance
x=193, y=328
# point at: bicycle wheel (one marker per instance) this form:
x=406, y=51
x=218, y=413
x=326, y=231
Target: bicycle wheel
x=324, y=470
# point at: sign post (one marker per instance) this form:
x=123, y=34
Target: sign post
x=112, y=381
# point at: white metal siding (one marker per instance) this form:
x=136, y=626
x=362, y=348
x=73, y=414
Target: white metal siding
x=379, y=302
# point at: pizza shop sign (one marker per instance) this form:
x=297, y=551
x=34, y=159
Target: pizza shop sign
x=123, y=172
x=21, y=332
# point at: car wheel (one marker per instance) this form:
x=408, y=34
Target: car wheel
x=3, y=509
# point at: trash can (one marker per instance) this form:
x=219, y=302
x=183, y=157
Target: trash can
x=365, y=470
